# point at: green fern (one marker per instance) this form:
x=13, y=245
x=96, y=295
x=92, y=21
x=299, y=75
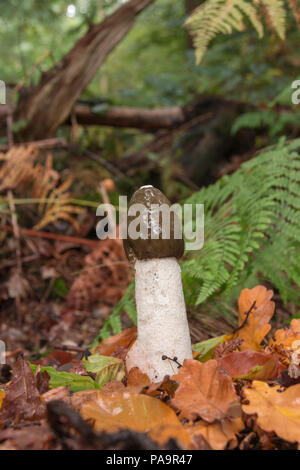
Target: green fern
x=274, y=121
x=113, y=322
x=252, y=230
x=252, y=223
x=225, y=16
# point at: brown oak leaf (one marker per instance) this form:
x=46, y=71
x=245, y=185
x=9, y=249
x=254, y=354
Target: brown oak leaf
x=204, y=391
x=254, y=322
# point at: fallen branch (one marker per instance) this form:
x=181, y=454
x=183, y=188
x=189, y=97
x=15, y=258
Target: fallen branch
x=52, y=236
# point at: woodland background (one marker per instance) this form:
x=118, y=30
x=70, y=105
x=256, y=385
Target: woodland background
x=101, y=98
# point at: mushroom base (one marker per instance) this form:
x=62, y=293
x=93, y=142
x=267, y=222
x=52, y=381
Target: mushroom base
x=163, y=332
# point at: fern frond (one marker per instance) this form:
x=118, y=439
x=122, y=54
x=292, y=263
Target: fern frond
x=225, y=16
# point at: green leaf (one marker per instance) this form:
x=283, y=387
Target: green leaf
x=60, y=288
x=62, y=379
x=205, y=349
x=253, y=374
x=106, y=368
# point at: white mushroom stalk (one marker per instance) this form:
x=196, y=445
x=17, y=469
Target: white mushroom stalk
x=163, y=340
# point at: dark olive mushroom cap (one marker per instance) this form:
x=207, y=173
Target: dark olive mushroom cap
x=152, y=247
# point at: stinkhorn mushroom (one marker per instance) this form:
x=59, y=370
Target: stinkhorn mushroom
x=163, y=340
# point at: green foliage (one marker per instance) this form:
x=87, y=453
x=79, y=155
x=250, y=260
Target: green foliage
x=252, y=227
x=113, y=322
x=76, y=382
x=274, y=121
x=106, y=368
x=60, y=288
x=225, y=16
x=205, y=349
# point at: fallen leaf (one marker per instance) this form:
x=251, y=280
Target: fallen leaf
x=108, y=346
x=58, y=393
x=137, y=380
x=277, y=411
x=204, y=391
x=140, y=413
x=106, y=368
x=204, y=350
x=2, y=395
x=38, y=437
x=219, y=435
x=56, y=357
x=164, y=389
x=17, y=286
x=285, y=337
x=252, y=365
x=75, y=381
x=257, y=325
x=22, y=401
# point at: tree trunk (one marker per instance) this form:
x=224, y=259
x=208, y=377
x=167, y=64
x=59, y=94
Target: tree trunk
x=47, y=106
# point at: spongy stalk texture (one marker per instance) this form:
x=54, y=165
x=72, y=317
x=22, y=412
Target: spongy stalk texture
x=162, y=322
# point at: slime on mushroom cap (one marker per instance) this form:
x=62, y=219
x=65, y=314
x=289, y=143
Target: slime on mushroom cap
x=152, y=247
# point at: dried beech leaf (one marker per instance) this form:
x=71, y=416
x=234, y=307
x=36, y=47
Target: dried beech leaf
x=219, y=435
x=204, y=391
x=277, y=411
x=140, y=413
x=257, y=325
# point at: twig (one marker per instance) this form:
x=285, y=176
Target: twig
x=26, y=259
x=246, y=318
x=64, y=347
x=31, y=70
x=52, y=236
x=13, y=353
x=16, y=232
x=9, y=125
x=107, y=165
x=41, y=144
x=15, y=228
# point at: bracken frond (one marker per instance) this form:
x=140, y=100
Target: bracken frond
x=215, y=17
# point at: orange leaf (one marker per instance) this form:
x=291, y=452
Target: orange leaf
x=140, y=413
x=137, y=380
x=251, y=364
x=257, y=325
x=108, y=346
x=286, y=336
x=204, y=390
x=219, y=435
x=276, y=410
